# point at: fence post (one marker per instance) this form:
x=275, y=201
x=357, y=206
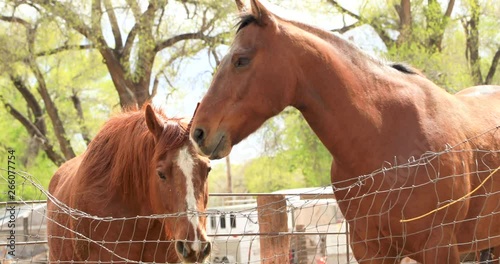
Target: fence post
x=26, y=228
x=272, y=215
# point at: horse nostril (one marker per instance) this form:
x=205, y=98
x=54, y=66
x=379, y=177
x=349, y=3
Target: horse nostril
x=207, y=249
x=198, y=135
x=182, y=248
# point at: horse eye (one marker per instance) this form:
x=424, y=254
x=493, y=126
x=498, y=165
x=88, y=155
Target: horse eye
x=241, y=62
x=161, y=175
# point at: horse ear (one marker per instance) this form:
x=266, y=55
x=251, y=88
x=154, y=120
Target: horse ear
x=260, y=12
x=241, y=6
x=155, y=126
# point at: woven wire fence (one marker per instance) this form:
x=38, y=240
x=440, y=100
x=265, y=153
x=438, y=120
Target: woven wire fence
x=315, y=227
x=312, y=226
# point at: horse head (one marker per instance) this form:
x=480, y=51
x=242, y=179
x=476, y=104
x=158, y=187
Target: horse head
x=179, y=186
x=252, y=84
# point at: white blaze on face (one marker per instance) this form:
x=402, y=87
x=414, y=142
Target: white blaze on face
x=186, y=164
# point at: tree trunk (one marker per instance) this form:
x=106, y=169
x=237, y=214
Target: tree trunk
x=404, y=13
x=472, y=42
x=123, y=86
x=81, y=120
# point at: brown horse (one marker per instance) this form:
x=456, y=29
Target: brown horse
x=402, y=146
x=137, y=194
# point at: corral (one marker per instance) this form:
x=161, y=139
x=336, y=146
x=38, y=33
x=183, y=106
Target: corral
x=315, y=228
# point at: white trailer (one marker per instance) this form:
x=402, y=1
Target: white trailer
x=318, y=229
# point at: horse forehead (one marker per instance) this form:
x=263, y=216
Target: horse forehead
x=249, y=38
x=185, y=160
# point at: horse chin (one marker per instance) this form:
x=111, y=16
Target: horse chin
x=220, y=147
x=220, y=153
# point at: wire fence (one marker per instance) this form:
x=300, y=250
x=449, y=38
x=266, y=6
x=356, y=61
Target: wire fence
x=251, y=228
x=316, y=227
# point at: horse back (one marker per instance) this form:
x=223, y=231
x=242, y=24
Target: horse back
x=483, y=98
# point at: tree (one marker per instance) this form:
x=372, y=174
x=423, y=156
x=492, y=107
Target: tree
x=61, y=60
x=415, y=31
x=128, y=52
x=294, y=157
x=272, y=173
x=471, y=24
x=33, y=83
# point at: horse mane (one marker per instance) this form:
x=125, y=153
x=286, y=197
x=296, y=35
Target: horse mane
x=245, y=20
x=248, y=18
x=119, y=157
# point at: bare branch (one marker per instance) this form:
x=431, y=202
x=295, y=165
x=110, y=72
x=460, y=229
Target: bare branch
x=32, y=103
x=216, y=57
x=18, y=20
x=449, y=9
x=81, y=120
x=343, y=10
x=67, y=47
x=57, y=124
x=136, y=10
x=175, y=39
x=114, y=25
x=53, y=115
x=129, y=42
x=493, y=67
x=154, y=91
x=178, y=55
x=33, y=130
x=95, y=18
x=160, y=19
x=380, y=29
x=28, y=96
x=347, y=28
x=73, y=19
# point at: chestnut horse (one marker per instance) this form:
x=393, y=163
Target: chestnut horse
x=415, y=169
x=137, y=194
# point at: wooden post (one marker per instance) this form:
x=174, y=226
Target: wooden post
x=272, y=215
x=229, y=178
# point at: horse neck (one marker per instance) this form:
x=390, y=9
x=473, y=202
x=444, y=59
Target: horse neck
x=354, y=94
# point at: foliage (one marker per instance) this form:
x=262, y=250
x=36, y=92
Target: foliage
x=271, y=173
x=295, y=156
x=217, y=181
x=63, y=63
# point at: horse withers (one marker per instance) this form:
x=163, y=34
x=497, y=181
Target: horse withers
x=415, y=169
x=137, y=193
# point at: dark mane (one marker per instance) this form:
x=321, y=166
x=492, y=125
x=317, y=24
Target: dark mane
x=119, y=157
x=326, y=35
x=403, y=68
x=245, y=20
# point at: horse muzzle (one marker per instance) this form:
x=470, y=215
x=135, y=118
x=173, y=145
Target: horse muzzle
x=193, y=251
x=215, y=147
